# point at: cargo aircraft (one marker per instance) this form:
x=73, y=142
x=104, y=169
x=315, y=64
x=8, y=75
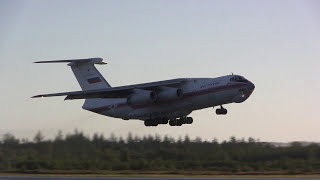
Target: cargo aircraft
x=161, y=102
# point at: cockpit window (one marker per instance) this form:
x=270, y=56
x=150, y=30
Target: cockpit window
x=238, y=79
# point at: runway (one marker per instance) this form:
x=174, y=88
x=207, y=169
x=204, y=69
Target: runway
x=135, y=178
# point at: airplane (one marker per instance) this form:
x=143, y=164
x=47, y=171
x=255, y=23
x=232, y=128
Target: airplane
x=155, y=103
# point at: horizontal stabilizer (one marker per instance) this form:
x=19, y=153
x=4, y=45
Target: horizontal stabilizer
x=88, y=60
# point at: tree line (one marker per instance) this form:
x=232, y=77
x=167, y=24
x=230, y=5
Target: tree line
x=154, y=153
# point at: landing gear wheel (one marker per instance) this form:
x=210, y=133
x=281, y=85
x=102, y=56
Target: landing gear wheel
x=221, y=111
x=164, y=121
x=189, y=120
x=173, y=122
x=155, y=123
x=151, y=123
x=180, y=121
x=147, y=123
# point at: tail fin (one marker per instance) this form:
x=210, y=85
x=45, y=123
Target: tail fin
x=86, y=73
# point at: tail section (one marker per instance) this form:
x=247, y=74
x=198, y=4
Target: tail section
x=86, y=73
x=88, y=76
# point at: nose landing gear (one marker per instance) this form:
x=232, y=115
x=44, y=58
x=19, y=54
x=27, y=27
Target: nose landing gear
x=221, y=111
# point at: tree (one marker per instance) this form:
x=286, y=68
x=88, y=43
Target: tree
x=186, y=139
x=9, y=139
x=78, y=152
x=59, y=136
x=38, y=137
x=113, y=138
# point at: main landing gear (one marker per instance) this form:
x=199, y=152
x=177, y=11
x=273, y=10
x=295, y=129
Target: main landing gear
x=180, y=121
x=155, y=122
x=221, y=111
x=172, y=122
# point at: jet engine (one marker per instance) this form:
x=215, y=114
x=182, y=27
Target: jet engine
x=140, y=97
x=169, y=94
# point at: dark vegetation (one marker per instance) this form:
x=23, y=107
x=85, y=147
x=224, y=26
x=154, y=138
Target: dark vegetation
x=153, y=153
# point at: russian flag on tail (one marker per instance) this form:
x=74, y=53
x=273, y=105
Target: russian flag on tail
x=94, y=80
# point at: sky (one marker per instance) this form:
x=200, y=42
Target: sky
x=275, y=44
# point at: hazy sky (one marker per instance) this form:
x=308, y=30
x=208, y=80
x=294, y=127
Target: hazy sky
x=274, y=44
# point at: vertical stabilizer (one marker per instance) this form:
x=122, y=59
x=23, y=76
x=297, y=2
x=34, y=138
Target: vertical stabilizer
x=88, y=76
x=86, y=73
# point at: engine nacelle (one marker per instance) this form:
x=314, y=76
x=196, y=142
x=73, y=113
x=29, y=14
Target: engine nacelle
x=169, y=94
x=140, y=97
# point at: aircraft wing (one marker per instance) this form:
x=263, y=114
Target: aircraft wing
x=116, y=92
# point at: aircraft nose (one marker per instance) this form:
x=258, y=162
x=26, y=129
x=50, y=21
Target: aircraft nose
x=251, y=86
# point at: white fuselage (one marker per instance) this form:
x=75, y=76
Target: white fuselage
x=198, y=93
x=160, y=102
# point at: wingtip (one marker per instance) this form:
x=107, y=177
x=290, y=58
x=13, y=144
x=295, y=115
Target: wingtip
x=38, y=62
x=37, y=96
